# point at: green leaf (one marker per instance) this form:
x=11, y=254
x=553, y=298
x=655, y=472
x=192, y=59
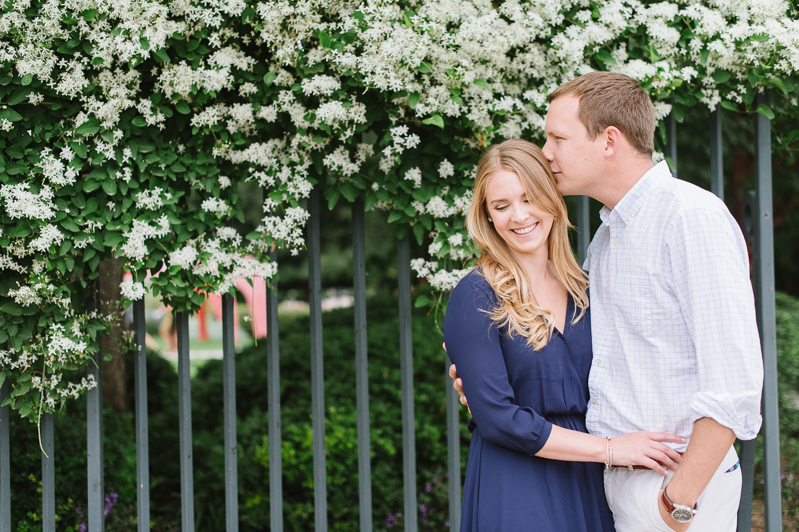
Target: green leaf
x=12, y=307
x=324, y=39
x=27, y=79
x=10, y=115
x=729, y=105
x=704, y=55
x=413, y=99
x=20, y=231
x=394, y=216
x=777, y=82
x=182, y=107
x=70, y=225
x=139, y=121
x=721, y=76
x=434, y=120
x=605, y=57
x=679, y=112
x=347, y=191
x=90, y=127
x=424, y=68
x=89, y=14
x=162, y=55
x=97, y=60
x=19, y=96
x=269, y=78
x=422, y=301
x=333, y=194
x=482, y=83
x=418, y=232
x=145, y=43
x=110, y=187
x=766, y=111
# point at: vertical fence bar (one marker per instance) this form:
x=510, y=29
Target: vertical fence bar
x=184, y=410
x=94, y=442
x=767, y=321
x=361, y=365
x=671, y=143
x=453, y=452
x=406, y=368
x=716, y=155
x=142, y=436
x=229, y=391
x=48, y=474
x=5, y=462
x=583, y=228
x=317, y=369
x=273, y=406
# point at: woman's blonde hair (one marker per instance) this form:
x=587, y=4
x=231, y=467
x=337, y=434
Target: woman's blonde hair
x=517, y=309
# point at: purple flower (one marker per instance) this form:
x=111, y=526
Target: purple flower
x=428, y=488
x=83, y=527
x=110, y=501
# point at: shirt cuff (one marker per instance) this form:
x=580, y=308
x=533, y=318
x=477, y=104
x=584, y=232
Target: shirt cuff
x=546, y=430
x=739, y=412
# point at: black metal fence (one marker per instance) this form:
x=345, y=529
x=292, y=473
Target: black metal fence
x=758, y=229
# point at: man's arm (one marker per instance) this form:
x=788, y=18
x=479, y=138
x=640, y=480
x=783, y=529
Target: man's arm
x=707, y=447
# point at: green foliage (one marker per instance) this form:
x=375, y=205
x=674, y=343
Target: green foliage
x=430, y=385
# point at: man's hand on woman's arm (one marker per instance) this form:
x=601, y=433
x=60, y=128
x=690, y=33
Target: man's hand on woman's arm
x=458, y=383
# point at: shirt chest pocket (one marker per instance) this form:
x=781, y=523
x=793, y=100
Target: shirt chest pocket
x=643, y=306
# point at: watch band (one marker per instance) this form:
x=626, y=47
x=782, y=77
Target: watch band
x=678, y=512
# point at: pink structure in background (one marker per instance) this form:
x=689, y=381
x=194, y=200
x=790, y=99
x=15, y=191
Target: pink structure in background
x=255, y=297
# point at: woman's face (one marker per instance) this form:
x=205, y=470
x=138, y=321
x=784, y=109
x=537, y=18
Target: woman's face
x=521, y=224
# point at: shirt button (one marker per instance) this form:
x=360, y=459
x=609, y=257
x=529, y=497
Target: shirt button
x=615, y=242
x=626, y=218
x=593, y=401
x=598, y=361
x=607, y=283
x=610, y=323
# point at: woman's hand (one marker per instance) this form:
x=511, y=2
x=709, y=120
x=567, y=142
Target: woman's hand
x=646, y=449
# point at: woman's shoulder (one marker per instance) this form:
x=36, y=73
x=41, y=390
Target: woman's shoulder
x=472, y=286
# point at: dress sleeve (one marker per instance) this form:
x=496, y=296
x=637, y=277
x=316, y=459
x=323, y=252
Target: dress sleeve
x=473, y=345
x=710, y=278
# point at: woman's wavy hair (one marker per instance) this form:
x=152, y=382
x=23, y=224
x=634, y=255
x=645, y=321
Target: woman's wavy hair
x=518, y=310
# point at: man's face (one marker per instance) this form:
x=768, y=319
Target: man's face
x=575, y=159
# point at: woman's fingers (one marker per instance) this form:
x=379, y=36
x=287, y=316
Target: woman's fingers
x=666, y=436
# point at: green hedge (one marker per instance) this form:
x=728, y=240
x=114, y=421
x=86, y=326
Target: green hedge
x=297, y=446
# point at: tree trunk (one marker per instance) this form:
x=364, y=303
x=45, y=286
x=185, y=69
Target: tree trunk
x=114, y=383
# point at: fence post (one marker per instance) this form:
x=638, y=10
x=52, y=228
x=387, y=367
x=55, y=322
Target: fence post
x=361, y=365
x=317, y=364
x=229, y=392
x=671, y=143
x=142, y=436
x=48, y=474
x=184, y=410
x=5, y=462
x=406, y=369
x=273, y=407
x=94, y=440
x=716, y=155
x=583, y=228
x=453, y=451
x=767, y=321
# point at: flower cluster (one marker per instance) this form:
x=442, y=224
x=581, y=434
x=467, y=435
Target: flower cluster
x=128, y=129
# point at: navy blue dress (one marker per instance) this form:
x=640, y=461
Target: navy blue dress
x=516, y=395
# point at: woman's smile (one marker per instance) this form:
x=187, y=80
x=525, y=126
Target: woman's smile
x=526, y=229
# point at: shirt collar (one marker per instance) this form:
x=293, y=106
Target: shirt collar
x=631, y=203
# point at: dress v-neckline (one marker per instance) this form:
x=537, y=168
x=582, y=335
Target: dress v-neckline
x=566, y=318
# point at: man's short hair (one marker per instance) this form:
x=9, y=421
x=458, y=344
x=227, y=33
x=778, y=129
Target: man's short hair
x=611, y=99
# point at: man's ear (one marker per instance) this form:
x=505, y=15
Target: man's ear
x=613, y=141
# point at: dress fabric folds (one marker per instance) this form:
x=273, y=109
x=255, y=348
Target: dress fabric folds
x=516, y=395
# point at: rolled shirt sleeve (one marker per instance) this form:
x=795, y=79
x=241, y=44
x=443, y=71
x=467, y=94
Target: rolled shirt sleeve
x=710, y=279
x=473, y=345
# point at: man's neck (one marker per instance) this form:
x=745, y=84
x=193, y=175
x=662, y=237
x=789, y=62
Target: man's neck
x=621, y=178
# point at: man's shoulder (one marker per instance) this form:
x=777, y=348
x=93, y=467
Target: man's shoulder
x=679, y=199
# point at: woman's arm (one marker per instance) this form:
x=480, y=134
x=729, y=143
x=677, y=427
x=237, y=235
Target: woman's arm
x=635, y=448
x=473, y=344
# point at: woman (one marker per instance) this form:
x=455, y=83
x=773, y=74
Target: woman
x=518, y=329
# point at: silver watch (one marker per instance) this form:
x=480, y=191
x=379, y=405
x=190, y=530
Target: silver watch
x=678, y=512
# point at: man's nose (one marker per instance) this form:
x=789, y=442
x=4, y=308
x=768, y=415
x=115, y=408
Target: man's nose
x=547, y=151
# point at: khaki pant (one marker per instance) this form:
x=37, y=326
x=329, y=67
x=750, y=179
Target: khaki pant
x=633, y=498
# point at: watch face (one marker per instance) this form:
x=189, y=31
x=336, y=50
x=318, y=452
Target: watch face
x=682, y=515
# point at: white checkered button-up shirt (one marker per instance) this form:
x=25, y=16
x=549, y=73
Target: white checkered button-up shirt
x=673, y=315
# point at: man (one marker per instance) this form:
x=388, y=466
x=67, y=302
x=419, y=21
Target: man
x=675, y=341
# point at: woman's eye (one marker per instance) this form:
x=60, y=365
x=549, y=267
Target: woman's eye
x=502, y=207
